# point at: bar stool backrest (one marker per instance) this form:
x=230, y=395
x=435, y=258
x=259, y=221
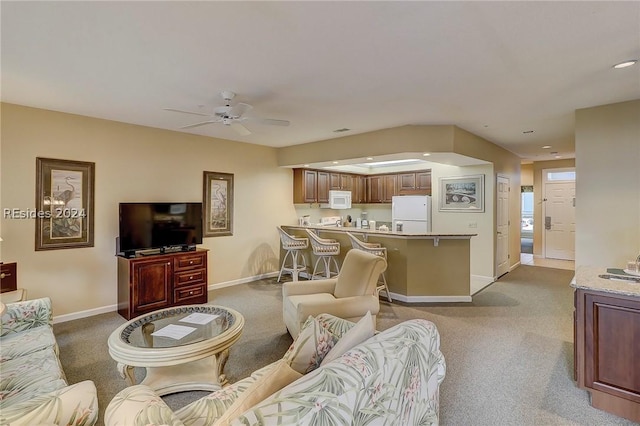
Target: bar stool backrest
x=291, y=242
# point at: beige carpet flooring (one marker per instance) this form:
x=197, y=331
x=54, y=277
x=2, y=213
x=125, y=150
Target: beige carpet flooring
x=509, y=353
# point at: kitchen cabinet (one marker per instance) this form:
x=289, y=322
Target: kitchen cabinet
x=381, y=188
x=305, y=186
x=358, y=189
x=340, y=182
x=606, y=348
x=149, y=283
x=324, y=184
x=414, y=183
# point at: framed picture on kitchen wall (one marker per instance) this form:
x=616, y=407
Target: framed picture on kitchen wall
x=218, y=204
x=64, y=204
x=462, y=194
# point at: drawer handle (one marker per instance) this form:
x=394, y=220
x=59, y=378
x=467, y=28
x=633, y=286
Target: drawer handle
x=191, y=292
x=191, y=262
x=168, y=263
x=191, y=277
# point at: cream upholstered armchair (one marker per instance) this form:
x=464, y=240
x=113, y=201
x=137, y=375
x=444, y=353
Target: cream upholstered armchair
x=349, y=295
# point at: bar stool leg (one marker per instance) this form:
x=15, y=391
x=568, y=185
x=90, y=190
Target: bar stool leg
x=385, y=288
x=284, y=260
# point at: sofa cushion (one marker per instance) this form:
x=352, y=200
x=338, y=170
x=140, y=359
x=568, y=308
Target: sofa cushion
x=25, y=342
x=392, y=378
x=357, y=334
x=308, y=349
x=30, y=375
x=275, y=379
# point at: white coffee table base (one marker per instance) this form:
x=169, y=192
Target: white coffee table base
x=196, y=366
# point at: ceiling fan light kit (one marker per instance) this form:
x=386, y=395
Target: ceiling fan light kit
x=231, y=116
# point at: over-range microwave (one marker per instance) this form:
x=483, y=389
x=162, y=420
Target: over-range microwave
x=338, y=200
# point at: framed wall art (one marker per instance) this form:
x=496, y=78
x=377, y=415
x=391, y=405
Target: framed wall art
x=218, y=204
x=64, y=204
x=462, y=194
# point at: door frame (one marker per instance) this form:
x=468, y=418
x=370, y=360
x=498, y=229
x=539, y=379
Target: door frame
x=508, y=226
x=544, y=200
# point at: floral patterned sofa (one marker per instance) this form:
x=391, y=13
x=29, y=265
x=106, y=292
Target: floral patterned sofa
x=391, y=378
x=33, y=387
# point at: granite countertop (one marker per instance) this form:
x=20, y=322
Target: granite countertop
x=587, y=278
x=393, y=234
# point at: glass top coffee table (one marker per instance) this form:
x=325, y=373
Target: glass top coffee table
x=182, y=348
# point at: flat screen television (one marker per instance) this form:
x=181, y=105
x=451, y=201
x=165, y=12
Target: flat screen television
x=159, y=226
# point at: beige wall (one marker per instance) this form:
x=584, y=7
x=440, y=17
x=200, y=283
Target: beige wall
x=134, y=163
x=608, y=184
x=538, y=195
x=526, y=174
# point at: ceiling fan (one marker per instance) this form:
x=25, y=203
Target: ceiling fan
x=228, y=115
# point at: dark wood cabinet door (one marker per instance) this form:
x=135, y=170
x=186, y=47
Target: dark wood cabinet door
x=406, y=182
x=358, y=189
x=612, y=339
x=390, y=183
x=334, y=181
x=374, y=189
x=423, y=181
x=310, y=186
x=151, y=285
x=345, y=183
x=323, y=187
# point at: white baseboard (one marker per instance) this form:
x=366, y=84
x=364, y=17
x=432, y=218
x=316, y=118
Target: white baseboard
x=113, y=308
x=514, y=266
x=430, y=299
x=241, y=281
x=84, y=314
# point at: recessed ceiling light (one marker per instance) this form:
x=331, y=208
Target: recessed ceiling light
x=527, y=131
x=344, y=129
x=369, y=158
x=306, y=165
x=625, y=64
x=546, y=147
x=426, y=154
x=558, y=156
x=334, y=162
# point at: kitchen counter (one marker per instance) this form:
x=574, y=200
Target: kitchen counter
x=587, y=278
x=429, y=267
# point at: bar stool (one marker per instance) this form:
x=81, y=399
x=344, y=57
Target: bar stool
x=292, y=245
x=378, y=250
x=326, y=250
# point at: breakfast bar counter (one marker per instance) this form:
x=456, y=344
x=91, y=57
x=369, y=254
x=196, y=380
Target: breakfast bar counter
x=429, y=267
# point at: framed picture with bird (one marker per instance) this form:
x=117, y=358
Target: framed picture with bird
x=64, y=204
x=218, y=204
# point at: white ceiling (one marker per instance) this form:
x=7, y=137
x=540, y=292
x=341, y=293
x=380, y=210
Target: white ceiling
x=496, y=69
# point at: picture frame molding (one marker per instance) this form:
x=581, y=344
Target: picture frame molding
x=45, y=217
x=210, y=229
x=443, y=206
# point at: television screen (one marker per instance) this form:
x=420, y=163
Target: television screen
x=159, y=225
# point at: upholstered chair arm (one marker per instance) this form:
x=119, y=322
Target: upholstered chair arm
x=139, y=405
x=76, y=404
x=25, y=315
x=309, y=287
x=345, y=307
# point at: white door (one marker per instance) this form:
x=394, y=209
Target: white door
x=502, y=227
x=559, y=220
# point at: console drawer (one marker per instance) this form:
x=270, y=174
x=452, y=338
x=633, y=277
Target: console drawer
x=191, y=294
x=190, y=261
x=198, y=276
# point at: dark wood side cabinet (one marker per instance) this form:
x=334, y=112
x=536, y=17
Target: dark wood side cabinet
x=607, y=350
x=8, y=277
x=149, y=283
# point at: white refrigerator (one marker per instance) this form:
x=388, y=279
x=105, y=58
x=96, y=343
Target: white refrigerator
x=413, y=211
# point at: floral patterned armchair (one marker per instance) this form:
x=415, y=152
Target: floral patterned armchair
x=392, y=378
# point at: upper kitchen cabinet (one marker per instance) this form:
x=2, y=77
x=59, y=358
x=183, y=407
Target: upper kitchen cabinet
x=415, y=183
x=380, y=188
x=324, y=184
x=358, y=189
x=305, y=186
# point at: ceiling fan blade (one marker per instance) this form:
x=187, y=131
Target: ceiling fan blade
x=239, y=109
x=190, y=126
x=273, y=122
x=187, y=112
x=240, y=129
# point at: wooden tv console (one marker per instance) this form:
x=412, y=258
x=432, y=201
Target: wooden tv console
x=152, y=282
